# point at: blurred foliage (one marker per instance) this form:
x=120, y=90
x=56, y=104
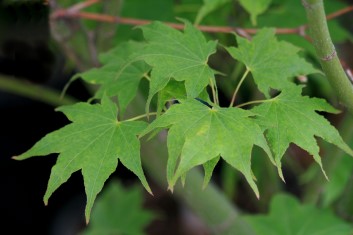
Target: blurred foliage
x=119, y=210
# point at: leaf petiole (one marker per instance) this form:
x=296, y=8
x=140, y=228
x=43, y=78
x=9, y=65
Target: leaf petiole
x=147, y=77
x=214, y=92
x=255, y=102
x=238, y=87
x=140, y=116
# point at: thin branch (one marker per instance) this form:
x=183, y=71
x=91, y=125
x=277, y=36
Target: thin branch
x=79, y=6
x=326, y=51
x=339, y=13
x=33, y=91
x=300, y=30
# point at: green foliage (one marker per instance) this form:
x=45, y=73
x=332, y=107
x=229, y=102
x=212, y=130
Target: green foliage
x=208, y=7
x=270, y=61
x=93, y=143
x=288, y=217
x=120, y=74
x=296, y=114
x=119, y=210
x=182, y=56
x=255, y=7
x=176, y=65
x=228, y=132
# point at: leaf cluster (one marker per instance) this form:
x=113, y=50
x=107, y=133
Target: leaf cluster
x=183, y=93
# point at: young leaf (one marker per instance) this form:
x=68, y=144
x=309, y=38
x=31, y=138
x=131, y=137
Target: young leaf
x=93, y=143
x=119, y=210
x=182, y=56
x=199, y=134
x=292, y=118
x=120, y=75
x=288, y=216
x=255, y=7
x=271, y=62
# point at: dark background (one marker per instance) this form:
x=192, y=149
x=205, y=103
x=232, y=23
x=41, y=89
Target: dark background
x=25, y=52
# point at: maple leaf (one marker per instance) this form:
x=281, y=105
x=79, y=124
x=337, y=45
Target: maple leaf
x=182, y=56
x=288, y=216
x=255, y=7
x=93, y=143
x=120, y=74
x=270, y=61
x=199, y=134
x=292, y=118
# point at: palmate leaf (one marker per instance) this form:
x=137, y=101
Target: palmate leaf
x=288, y=217
x=292, y=118
x=270, y=61
x=120, y=74
x=199, y=134
x=182, y=56
x=93, y=143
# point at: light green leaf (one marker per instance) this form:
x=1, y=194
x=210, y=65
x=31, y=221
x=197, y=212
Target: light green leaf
x=120, y=75
x=270, y=61
x=207, y=7
x=199, y=134
x=255, y=7
x=93, y=143
x=182, y=56
x=292, y=118
x=119, y=210
x=288, y=217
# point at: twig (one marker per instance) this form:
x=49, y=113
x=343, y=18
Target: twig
x=79, y=6
x=300, y=30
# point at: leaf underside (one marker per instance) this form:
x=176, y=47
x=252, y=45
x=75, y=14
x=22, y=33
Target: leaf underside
x=199, y=134
x=92, y=143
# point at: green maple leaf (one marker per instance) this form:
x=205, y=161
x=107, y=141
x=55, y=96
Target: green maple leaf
x=182, y=56
x=199, y=134
x=255, y=7
x=288, y=216
x=270, y=61
x=93, y=143
x=120, y=74
x=292, y=118
x=119, y=210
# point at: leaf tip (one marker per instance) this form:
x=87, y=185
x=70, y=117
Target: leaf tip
x=170, y=188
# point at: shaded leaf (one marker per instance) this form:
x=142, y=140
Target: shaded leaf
x=120, y=75
x=288, y=217
x=199, y=134
x=207, y=7
x=182, y=56
x=119, y=210
x=270, y=61
x=255, y=7
x=339, y=179
x=293, y=118
x=93, y=143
